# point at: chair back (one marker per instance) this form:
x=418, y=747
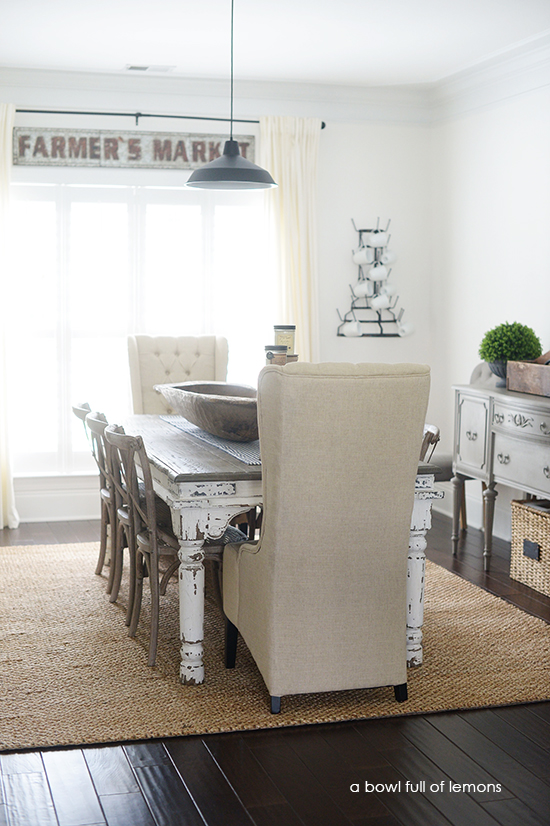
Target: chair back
x=322, y=606
x=96, y=424
x=129, y=454
x=430, y=440
x=166, y=360
x=81, y=411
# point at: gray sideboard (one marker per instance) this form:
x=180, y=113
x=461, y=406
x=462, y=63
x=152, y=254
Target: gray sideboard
x=503, y=437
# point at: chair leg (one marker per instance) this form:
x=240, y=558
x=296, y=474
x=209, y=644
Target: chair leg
x=231, y=635
x=275, y=705
x=115, y=574
x=401, y=693
x=155, y=608
x=132, y=572
x=103, y=538
x=138, y=592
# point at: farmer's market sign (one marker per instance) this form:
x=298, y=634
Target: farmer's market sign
x=148, y=150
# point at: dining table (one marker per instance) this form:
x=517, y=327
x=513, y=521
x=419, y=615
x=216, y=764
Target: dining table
x=206, y=482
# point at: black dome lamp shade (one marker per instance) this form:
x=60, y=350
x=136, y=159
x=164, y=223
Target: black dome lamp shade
x=231, y=170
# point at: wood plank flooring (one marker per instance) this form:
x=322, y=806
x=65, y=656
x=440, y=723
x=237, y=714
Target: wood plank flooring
x=489, y=766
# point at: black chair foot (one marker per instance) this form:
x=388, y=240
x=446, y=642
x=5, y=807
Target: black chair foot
x=401, y=693
x=275, y=705
x=231, y=635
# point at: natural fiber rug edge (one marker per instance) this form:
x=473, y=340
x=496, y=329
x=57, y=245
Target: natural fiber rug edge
x=57, y=694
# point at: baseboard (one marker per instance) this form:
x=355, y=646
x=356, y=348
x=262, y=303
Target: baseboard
x=474, y=506
x=57, y=498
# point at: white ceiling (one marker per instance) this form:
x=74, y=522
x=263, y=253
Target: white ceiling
x=360, y=42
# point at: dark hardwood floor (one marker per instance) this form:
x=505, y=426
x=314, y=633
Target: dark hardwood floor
x=302, y=776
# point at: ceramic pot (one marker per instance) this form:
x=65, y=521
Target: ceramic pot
x=499, y=369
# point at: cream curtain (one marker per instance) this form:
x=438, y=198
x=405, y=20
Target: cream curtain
x=8, y=512
x=289, y=149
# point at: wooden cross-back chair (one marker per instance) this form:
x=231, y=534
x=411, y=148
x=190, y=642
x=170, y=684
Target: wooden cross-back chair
x=150, y=539
x=107, y=513
x=152, y=534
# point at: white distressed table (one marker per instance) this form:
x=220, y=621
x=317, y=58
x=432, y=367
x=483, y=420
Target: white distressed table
x=205, y=488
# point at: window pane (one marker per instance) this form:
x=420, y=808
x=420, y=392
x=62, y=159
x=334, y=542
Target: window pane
x=243, y=287
x=32, y=287
x=35, y=414
x=98, y=269
x=173, y=271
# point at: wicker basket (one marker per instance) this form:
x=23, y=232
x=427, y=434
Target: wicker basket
x=530, y=557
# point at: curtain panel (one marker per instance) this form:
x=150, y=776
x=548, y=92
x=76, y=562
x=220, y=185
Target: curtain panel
x=289, y=151
x=8, y=512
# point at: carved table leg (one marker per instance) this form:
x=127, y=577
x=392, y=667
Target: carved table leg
x=489, y=496
x=415, y=596
x=458, y=498
x=191, y=598
x=421, y=522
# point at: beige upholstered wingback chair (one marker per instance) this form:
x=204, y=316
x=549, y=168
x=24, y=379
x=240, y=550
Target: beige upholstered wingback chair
x=320, y=599
x=166, y=359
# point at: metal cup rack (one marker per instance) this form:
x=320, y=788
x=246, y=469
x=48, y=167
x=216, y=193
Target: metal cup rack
x=362, y=317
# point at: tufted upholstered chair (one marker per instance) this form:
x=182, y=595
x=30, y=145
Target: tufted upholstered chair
x=320, y=599
x=165, y=360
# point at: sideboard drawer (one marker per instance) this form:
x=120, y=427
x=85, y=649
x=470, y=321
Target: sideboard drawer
x=521, y=420
x=472, y=429
x=522, y=463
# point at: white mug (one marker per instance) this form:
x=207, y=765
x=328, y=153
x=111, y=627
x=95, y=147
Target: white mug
x=388, y=289
x=376, y=238
x=380, y=302
x=405, y=329
x=378, y=272
x=352, y=329
x=388, y=257
x=363, y=288
x=364, y=255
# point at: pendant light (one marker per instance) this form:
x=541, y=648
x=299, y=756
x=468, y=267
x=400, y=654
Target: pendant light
x=231, y=170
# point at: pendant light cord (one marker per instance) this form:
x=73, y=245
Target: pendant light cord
x=231, y=115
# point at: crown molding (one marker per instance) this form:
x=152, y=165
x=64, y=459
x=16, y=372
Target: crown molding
x=508, y=74
x=518, y=71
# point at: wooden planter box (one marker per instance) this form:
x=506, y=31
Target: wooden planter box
x=529, y=377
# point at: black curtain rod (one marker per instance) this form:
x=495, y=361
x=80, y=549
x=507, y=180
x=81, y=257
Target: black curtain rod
x=136, y=115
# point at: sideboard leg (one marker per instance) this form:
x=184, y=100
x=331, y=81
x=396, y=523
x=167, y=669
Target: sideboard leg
x=489, y=496
x=458, y=498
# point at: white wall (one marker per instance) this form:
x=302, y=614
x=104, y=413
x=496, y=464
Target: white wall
x=366, y=171
x=468, y=194
x=491, y=191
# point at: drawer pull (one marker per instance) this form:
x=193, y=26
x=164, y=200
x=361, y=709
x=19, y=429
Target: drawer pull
x=503, y=458
x=545, y=429
x=498, y=418
x=471, y=436
x=546, y=471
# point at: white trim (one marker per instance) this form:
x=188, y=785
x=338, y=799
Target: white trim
x=57, y=498
x=517, y=71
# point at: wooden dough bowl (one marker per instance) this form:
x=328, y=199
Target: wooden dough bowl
x=225, y=410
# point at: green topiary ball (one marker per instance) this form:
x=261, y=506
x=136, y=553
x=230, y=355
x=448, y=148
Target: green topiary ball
x=506, y=342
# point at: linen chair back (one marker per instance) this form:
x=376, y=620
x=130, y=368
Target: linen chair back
x=321, y=598
x=166, y=360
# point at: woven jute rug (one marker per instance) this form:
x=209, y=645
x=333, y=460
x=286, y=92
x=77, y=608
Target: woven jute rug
x=71, y=675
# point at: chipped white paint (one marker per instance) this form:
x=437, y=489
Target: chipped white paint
x=203, y=511
x=421, y=522
x=191, y=595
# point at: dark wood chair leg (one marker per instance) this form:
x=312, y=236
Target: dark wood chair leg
x=401, y=693
x=231, y=635
x=275, y=705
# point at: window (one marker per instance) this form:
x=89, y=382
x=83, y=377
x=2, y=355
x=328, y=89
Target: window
x=91, y=264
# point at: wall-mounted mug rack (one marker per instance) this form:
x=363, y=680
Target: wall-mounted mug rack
x=373, y=308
